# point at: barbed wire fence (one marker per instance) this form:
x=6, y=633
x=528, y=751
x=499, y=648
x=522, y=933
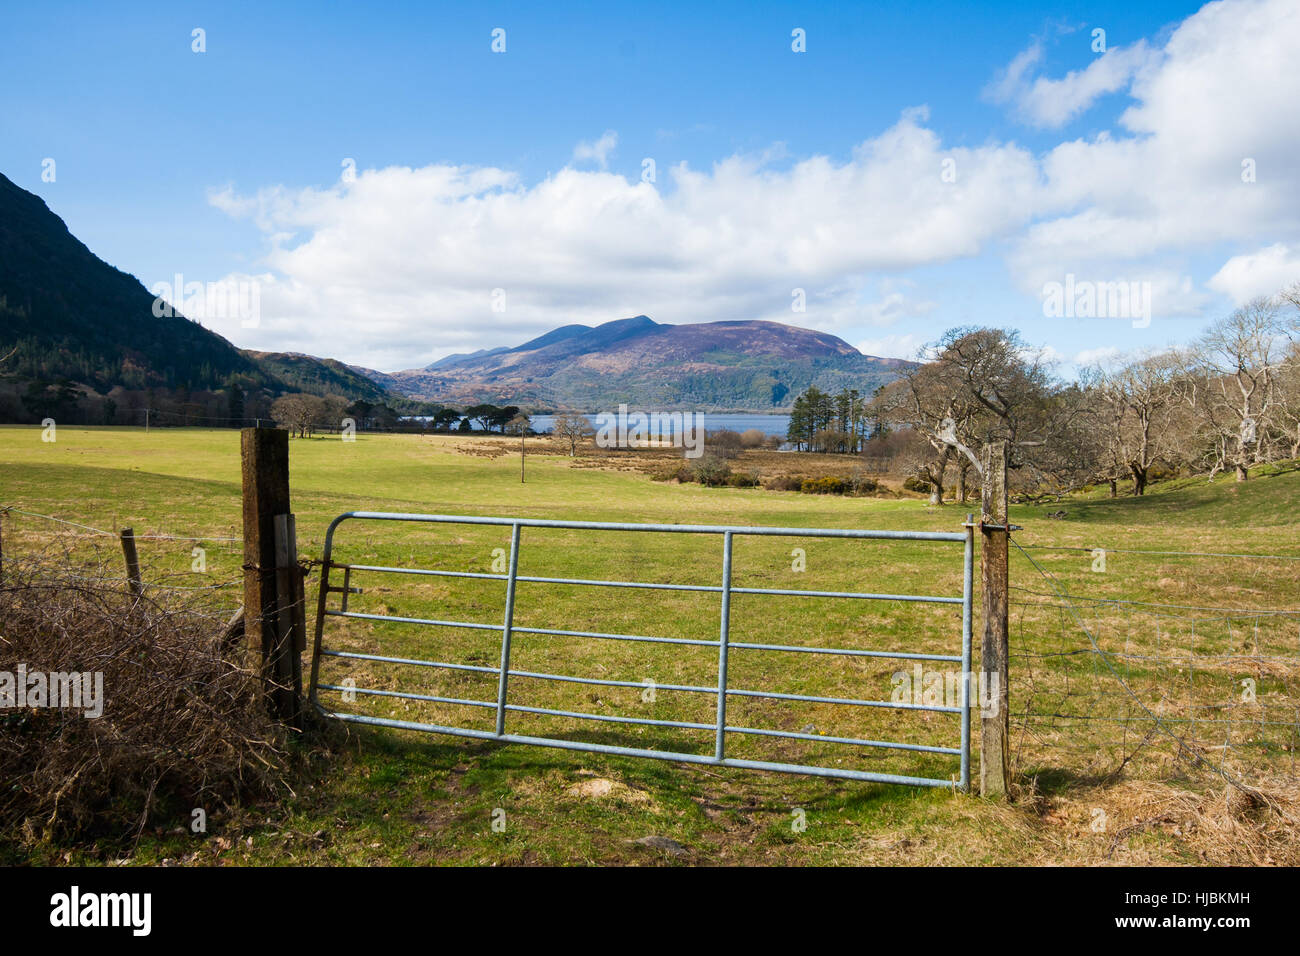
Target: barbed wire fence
x=202, y=571
x=1103, y=685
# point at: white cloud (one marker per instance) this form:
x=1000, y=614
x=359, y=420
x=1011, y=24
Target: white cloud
x=895, y=306
x=1134, y=206
x=1265, y=272
x=1098, y=356
x=1051, y=103
x=398, y=267
x=597, y=151
x=1011, y=80
x=904, y=345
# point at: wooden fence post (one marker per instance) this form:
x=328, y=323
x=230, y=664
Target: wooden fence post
x=132, y=561
x=268, y=618
x=289, y=597
x=995, y=726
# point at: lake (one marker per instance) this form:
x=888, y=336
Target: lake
x=767, y=424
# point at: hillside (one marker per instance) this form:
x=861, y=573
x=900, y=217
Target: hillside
x=80, y=342
x=73, y=316
x=318, y=376
x=742, y=365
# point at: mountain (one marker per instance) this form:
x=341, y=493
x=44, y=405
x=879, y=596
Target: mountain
x=733, y=366
x=79, y=341
x=461, y=356
x=319, y=376
x=73, y=316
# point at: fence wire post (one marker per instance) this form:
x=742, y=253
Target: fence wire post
x=322, y=599
x=264, y=467
x=723, y=638
x=290, y=622
x=968, y=567
x=505, y=629
x=995, y=533
x=132, y=561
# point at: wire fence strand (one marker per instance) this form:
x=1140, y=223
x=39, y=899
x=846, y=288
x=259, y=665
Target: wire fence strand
x=1103, y=683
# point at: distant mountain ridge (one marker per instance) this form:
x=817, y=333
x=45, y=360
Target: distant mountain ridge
x=79, y=342
x=731, y=365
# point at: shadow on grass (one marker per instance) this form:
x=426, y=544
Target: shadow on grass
x=393, y=756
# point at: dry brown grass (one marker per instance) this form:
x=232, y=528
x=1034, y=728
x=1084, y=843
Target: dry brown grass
x=181, y=727
x=1147, y=822
x=657, y=461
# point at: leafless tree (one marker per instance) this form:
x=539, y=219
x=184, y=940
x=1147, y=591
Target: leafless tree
x=1233, y=382
x=298, y=412
x=928, y=402
x=1137, y=403
x=978, y=385
x=572, y=430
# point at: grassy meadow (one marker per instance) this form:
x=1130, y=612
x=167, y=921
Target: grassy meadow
x=394, y=797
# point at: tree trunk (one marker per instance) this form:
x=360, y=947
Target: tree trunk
x=961, y=486
x=1242, y=474
x=1139, y=480
x=1114, y=488
x=935, y=475
x=936, y=493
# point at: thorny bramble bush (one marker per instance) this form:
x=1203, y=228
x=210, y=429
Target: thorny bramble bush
x=182, y=726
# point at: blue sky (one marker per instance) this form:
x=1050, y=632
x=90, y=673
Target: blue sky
x=812, y=170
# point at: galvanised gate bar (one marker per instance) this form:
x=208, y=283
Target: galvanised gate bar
x=722, y=691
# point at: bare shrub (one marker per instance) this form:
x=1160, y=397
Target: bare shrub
x=711, y=469
x=724, y=443
x=182, y=727
x=785, y=483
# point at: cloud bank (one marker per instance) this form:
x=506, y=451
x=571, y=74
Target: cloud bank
x=401, y=265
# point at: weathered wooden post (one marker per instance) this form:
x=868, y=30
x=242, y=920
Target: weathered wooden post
x=289, y=595
x=268, y=618
x=995, y=530
x=132, y=561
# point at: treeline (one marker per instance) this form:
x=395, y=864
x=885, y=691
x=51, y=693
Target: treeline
x=72, y=403
x=243, y=402
x=234, y=406
x=835, y=424
x=201, y=366
x=305, y=414
x=1227, y=402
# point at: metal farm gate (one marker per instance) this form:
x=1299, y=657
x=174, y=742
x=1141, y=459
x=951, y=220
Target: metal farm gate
x=721, y=691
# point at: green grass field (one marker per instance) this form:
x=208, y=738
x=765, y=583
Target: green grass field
x=399, y=797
